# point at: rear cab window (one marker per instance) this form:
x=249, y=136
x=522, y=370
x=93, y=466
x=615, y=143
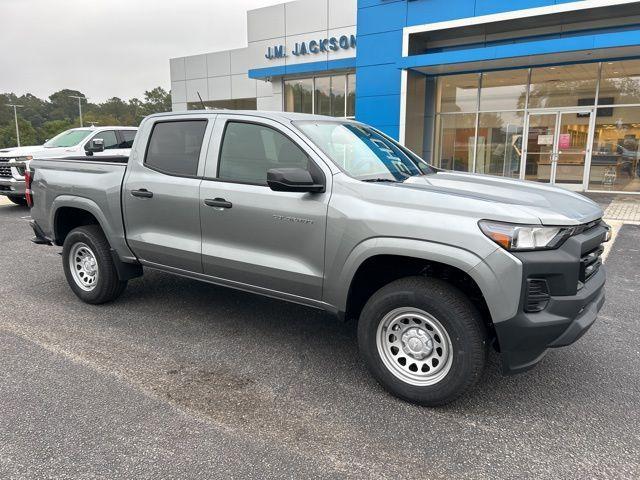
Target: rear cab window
x=174, y=147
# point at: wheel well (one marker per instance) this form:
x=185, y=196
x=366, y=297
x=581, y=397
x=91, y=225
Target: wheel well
x=68, y=218
x=380, y=270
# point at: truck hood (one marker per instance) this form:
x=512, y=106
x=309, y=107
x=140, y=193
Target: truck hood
x=551, y=205
x=20, y=151
x=40, y=152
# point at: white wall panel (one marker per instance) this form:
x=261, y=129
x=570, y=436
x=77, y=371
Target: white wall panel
x=178, y=107
x=176, y=66
x=257, y=51
x=340, y=53
x=315, y=57
x=179, y=92
x=266, y=23
x=265, y=89
x=342, y=13
x=219, y=88
x=195, y=86
x=243, y=87
x=218, y=64
x=196, y=66
x=240, y=61
x=306, y=16
x=276, y=102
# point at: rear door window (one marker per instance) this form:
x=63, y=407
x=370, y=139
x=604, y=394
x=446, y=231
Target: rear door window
x=174, y=147
x=127, y=138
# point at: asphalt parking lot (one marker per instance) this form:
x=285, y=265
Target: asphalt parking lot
x=179, y=379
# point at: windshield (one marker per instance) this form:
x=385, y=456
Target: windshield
x=70, y=138
x=363, y=152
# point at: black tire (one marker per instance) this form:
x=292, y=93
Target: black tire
x=452, y=309
x=22, y=201
x=108, y=286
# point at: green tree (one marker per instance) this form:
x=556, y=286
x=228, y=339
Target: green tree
x=63, y=106
x=28, y=134
x=52, y=128
x=157, y=100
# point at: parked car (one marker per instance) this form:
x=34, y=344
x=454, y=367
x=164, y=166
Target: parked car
x=436, y=266
x=74, y=142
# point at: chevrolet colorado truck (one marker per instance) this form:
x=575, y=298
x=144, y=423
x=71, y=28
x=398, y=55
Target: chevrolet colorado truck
x=436, y=266
x=70, y=143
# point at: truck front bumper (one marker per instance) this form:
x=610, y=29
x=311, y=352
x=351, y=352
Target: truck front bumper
x=525, y=338
x=569, y=306
x=12, y=186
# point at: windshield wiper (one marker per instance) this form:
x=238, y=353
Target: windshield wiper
x=372, y=180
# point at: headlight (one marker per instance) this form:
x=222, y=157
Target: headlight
x=516, y=237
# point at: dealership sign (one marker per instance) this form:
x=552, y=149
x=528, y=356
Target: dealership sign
x=312, y=47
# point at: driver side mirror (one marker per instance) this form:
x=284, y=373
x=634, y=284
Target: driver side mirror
x=292, y=180
x=95, y=146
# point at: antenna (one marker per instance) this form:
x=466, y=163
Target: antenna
x=201, y=102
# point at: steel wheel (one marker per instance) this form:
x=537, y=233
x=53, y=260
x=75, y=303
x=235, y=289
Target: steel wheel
x=83, y=266
x=414, y=346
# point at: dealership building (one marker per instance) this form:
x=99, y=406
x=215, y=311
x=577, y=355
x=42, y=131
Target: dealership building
x=543, y=90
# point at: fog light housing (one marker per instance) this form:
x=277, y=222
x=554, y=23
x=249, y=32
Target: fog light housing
x=537, y=297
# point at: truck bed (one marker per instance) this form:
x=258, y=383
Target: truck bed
x=92, y=183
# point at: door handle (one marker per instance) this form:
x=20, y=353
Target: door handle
x=218, y=203
x=142, y=193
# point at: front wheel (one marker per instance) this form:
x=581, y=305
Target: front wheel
x=423, y=340
x=88, y=266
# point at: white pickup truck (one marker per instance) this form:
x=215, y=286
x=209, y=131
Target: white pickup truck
x=70, y=143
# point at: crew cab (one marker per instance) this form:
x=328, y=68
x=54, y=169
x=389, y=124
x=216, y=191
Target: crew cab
x=92, y=140
x=435, y=266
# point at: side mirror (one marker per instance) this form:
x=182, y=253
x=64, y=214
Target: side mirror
x=95, y=146
x=292, y=180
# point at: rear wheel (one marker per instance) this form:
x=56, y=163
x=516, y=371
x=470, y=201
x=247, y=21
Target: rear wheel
x=422, y=340
x=22, y=201
x=88, y=266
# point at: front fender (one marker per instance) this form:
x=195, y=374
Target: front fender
x=338, y=283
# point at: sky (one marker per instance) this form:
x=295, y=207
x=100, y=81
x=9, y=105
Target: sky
x=111, y=48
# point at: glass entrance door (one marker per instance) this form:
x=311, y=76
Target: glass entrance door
x=557, y=147
x=539, y=151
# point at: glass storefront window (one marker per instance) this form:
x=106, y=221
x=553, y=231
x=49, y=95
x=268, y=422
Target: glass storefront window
x=298, y=95
x=456, y=142
x=563, y=86
x=234, y=104
x=322, y=96
x=351, y=95
x=615, y=161
x=458, y=93
x=499, y=143
x=504, y=90
x=332, y=95
x=338, y=91
x=558, y=103
x=620, y=83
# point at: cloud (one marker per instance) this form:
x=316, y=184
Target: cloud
x=111, y=48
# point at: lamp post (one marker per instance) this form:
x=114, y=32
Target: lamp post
x=79, y=105
x=15, y=117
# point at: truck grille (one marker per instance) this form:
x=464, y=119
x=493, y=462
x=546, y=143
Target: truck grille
x=5, y=169
x=590, y=263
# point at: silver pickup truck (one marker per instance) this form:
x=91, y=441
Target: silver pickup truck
x=436, y=266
